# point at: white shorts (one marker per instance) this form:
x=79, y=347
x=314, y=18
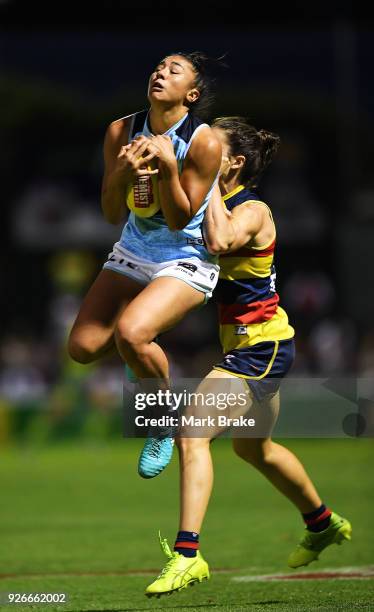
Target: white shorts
x=200, y=275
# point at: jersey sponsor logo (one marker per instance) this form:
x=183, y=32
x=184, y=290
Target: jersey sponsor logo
x=188, y=266
x=240, y=330
x=212, y=276
x=198, y=241
x=143, y=192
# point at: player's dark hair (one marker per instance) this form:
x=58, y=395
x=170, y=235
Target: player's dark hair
x=258, y=147
x=203, y=66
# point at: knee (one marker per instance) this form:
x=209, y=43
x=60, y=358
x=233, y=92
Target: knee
x=81, y=349
x=131, y=335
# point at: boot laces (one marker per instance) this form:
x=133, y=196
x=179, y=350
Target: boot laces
x=155, y=447
x=169, y=566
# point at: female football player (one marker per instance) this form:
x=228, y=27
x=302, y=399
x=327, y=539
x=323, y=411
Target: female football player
x=160, y=269
x=258, y=348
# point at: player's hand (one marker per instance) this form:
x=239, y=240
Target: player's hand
x=133, y=158
x=162, y=148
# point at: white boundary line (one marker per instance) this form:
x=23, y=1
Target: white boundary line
x=339, y=573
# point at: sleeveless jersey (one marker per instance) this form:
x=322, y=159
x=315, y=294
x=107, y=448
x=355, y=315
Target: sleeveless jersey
x=247, y=300
x=150, y=238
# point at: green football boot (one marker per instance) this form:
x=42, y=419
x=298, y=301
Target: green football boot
x=313, y=543
x=178, y=572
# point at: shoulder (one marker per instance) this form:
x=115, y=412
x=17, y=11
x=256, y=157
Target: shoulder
x=119, y=128
x=205, y=145
x=116, y=136
x=249, y=207
x=204, y=138
x=251, y=210
x=258, y=205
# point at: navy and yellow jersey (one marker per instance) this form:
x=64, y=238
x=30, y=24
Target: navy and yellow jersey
x=248, y=303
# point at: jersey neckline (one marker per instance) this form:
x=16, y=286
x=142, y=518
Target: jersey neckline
x=233, y=192
x=173, y=128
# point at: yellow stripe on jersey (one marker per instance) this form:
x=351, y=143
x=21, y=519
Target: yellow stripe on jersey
x=233, y=192
x=245, y=267
x=240, y=336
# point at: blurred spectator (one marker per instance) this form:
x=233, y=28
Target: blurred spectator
x=21, y=379
x=71, y=273
x=307, y=296
x=332, y=344
x=52, y=215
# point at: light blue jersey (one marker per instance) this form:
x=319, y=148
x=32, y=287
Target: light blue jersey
x=150, y=238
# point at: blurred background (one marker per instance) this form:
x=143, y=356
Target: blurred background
x=309, y=79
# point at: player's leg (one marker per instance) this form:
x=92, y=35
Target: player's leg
x=186, y=565
x=159, y=307
x=196, y=468
x=278, y=464
x=92, y=335
x=284, y=470
x=176, y=288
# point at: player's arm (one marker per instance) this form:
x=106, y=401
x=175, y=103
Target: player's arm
x=182, y=196
x=225, y=232
x=122, y=164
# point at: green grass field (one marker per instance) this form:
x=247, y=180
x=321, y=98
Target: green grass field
x=77, y=519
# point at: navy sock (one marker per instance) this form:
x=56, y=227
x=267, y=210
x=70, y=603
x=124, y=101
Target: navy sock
x=187, y=543
x=318, y=520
